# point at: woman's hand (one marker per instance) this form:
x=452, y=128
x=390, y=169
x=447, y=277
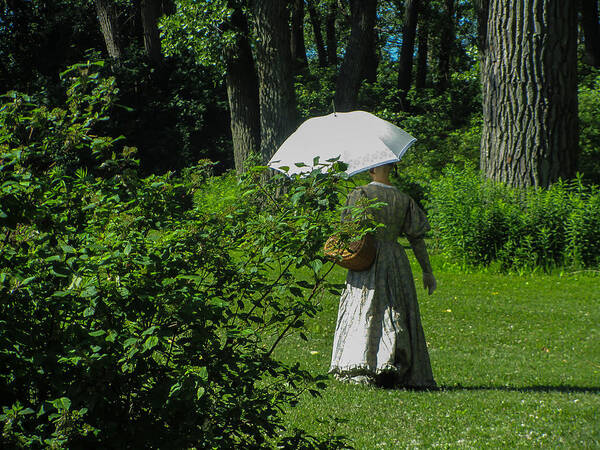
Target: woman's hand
x=429, y=282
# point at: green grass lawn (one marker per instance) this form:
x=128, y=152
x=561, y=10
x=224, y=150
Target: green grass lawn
x=517, y=359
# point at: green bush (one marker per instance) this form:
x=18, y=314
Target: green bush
x=589, y=119
x=132, y=318
x=478, y=221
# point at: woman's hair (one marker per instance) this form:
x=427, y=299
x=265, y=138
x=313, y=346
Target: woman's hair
x=389, y=165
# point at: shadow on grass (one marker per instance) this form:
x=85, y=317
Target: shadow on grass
x=563, y=389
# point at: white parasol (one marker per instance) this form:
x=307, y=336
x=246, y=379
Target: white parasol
x=358, y=138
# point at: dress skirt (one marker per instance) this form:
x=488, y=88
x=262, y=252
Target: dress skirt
x=379, y=331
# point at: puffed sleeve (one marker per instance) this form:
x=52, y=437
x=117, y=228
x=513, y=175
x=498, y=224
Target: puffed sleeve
x=415, y=222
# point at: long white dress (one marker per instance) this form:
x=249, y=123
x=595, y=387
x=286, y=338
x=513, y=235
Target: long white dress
x=379, y=333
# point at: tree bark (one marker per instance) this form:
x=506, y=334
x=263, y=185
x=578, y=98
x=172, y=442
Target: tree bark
x=298, y=47
x=357, y=51
x=409, y=31
x=529, y=81
x=315, y=21
x=591, y=31
x=278, y=116
x=242, y=93
x=448, y=36
x=150, y=11
x=107, y=17
x=330, y=33
x=372, y=61
x=422, y=55
x=482, y=12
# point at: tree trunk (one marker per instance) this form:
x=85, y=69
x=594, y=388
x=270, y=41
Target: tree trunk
x=372, y=61
x=357, y=51
x=422, y=55
x=107, y=17
x=315, y=21
x=482, y=12
x=150, y=11
x=278, y=116
x=529, y=81
x=330, y=33
x=591, y=31
x=409, y=31
x=242, y=93
x=298, y=48
x=448, y=37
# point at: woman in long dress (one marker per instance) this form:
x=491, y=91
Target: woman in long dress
x=379, y=338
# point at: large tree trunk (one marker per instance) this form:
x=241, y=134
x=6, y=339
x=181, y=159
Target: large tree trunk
x=298, y=48
x=447, y=42
x=530, y=129
x=242, y=93
x=357, y=51
x=409, y=31
x=330, y=33
x=591, y=31
x=107, y=17
x=278, y=116
x=150, y=11
x=315, y=21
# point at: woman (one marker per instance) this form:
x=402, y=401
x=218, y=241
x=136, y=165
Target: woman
x=379, y=337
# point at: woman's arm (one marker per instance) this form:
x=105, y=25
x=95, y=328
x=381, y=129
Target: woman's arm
x=420, y=251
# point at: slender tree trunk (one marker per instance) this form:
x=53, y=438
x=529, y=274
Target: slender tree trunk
x=422, y=54
x=107, y=17
x=448, y=37
x=150, y=11
x=357, y=51
x=242, y=93
x=278, y=117
x=298, y=48
x=409, y=31
x=591, y=31
x=315, y=21
x=529, y=80
x=330, y=33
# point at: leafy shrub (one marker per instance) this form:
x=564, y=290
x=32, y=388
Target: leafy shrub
x=133, y=318
x=478, y=221
x=589, y=119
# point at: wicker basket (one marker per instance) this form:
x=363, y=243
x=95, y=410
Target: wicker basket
x=358, y=255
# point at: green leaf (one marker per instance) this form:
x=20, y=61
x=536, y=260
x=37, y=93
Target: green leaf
x=200, y=392
x=97, y=333
x=129, y=342
x=149, y=331
x=316, y=265
x=150, y=343
x=62, y=403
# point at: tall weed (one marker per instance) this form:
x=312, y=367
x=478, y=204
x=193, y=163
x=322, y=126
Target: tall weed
x=477, y=222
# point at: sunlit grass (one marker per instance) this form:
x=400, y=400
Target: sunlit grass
x=517, y=359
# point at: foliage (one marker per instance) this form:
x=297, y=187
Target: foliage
x=477, y=221
x=175, y=114
x=315, y=91
x=589, y=120
x=155, y=320
x=199, y=28
x=38, y=39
